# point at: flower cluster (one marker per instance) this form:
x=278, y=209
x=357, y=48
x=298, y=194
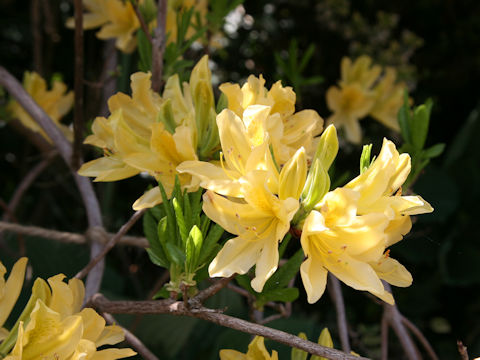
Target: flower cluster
x=153, y=134
x=363, y=91
x=52, y=324
x=56, y=103
x=117, y=20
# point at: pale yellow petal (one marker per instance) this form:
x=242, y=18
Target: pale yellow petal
x=11, y=290
x=109, y=168
x=314, y=278
x=392, y=271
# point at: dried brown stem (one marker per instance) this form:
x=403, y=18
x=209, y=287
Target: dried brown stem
x=462, y=350
x=110, y=244
x=158, y=46
x=68, y=237
x=132, y=339
x=177, y=308
x=335, y=291
x=78, y=121
x=423, y=340
x=143, y=24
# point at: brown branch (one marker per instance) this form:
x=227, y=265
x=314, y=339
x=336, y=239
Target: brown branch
x=132, y=339
x=110, y=244
x=143, y=24
x=335, y=291
x=462, y=350
x=177, y=308
x=211, y=290
x=423, y=340
x=384, y=337
x=78, y=123
x=68, y=237
x=395, y=320
x=158, y=47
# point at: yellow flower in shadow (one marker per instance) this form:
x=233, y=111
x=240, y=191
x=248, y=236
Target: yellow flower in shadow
x=256, y=351
x=56, y=103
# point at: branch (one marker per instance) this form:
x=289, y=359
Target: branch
x=211, y=290
x=172, y=307
x=158, y=47
x=142, y=21
x=416, y=331
x=462, y=350
x=78, y=123
x=384, y=337
x=131, y=339
x=68, y=237
x=84, y=185
x=110, y=244
x=335, y=291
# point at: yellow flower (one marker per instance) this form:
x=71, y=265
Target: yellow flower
x=388, y=100
x=55, y=328
x=256, y=351
x=288, y=130
x=10, y=289
x=361, y=93
x=349, y=104
x=352, y=226
x=116, y=18
x=245, y=148
x=260, y=220
x=55, y=102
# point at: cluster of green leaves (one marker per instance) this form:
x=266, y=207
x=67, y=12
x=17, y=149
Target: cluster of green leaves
x=414, y=124
x=292, y=68
x=182, y=238
x=277, y=286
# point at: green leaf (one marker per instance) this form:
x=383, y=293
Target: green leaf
x=365, y=158
x=182, y=227
x=194, y=246
x=176, y=254
x=284, y=295
x=210, y=243
x=164, y=237
x=298, y=354
x=171, y=232
x=144, y=52
x=158, y=257
x=419, y=126
x=434, y=151
x=187, y=211
x=163, y=293
x=150, y=228
x=282, y=276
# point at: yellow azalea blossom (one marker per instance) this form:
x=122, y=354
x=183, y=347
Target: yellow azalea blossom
x=388, y=100
x=288, y=130
x=116, y=18
x=56, y=103
x=261, y=221
x=55, y=328
x=363, y=92
x=245, y=148
x=349, y=104
x=352, y=226
x=154, y=134
x=256, y=351
x=10, y=289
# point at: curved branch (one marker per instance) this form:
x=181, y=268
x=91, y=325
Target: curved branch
x=173, y=307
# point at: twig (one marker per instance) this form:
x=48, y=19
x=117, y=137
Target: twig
x=462, y=350
x=142, y=21
x=78, y=123
x=131, y=339
x=395, y=320
x=335, y=290
x=177, y=308
x=110, y=244
x=68, y=237
x=384, y=337
x=158, y=47
x=210, y=291
x=423, y=340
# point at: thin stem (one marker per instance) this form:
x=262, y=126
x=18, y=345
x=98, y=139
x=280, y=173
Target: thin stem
x=131, y=339
x=335, y=290
x=423, y=340
x=78, y=123
x=211, y=290
x=110, y=244
x=68, y=237
x=177, y=308
x=158, y=47
x=143, y=24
